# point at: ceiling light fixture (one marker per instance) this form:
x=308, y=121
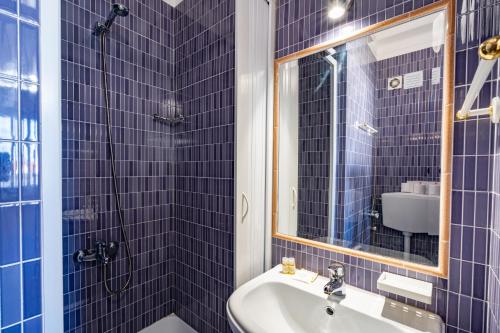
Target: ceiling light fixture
x=338, y=8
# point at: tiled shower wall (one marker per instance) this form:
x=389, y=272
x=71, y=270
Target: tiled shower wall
x=314, y=146
x=141, y=66
x=358, y=157
x=20, y=146
x=460, y=301
x=204, y=183
x=176, y=182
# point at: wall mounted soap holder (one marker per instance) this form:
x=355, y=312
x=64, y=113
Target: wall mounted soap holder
x=174, y=120
x=365, y=128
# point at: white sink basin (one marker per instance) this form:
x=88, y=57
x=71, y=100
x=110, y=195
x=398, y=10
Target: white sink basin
x=273, y=302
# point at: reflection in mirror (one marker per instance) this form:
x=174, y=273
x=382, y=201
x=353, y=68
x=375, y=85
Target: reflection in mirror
x=360, y=142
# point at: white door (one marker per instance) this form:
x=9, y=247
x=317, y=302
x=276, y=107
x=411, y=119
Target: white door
x=251, y=106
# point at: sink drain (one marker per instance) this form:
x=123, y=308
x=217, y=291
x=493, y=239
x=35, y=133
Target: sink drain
x=330, y=311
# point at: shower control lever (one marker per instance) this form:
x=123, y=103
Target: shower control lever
x=102, y=253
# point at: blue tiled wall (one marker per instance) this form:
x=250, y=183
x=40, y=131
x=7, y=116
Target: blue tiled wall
x=408, y=143
x=358, y=157
x=141, y=67
x=462, y=301
x=20, y=262
x=176, y=182
x=314, y=147
x=204, y=181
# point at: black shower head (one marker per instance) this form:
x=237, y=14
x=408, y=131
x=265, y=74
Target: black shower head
x=116, y=10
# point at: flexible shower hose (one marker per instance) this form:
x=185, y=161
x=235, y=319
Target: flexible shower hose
x=105, y=91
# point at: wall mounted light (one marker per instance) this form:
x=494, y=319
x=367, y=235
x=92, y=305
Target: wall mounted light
x=338, y=8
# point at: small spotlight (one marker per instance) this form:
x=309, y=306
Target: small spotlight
x=336, y=12
x=338, y=8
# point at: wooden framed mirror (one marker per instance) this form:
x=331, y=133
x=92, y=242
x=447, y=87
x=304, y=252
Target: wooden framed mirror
x=362, y=142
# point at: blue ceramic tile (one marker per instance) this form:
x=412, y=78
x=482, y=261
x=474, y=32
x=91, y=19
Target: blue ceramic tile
x=29, y=52
x=10, y=283
x=470, y=169
x=30, y=176
x=30, y=114
x=9, y=234
x=29, y=9
x=479, y=281
x=464, y=313
x=467, y=243
x=460, y=64
x=13, y=329
x=32, y=289
x=8, y=45
x=477, y=313
x=9, y=171
x=481, y=211
x=33, y=325
x=9, y=128
x=9, y=5
x=31, y=231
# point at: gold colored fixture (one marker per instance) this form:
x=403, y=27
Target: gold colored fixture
x=485, y=111
x=489, y=52
x=446, y=142
x=490, y=48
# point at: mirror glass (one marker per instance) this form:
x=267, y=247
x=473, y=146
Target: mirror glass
x=359, y=151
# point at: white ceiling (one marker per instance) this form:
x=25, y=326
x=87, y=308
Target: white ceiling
x=418, y=34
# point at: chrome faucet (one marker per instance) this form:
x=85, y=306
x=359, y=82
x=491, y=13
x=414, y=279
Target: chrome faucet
x=336, y=284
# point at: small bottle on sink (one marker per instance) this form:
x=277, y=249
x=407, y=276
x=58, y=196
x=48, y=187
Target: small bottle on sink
x=291, y=265
x=284, y=265
x=288, y=265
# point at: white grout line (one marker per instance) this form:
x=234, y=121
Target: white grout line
x=20, y=322
x=20, y=262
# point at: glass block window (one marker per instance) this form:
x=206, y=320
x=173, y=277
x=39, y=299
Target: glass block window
x=20, y=204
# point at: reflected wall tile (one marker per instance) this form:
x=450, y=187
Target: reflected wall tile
x=30, y=178
x=9, y=5
x=31, y=230
x=29, y=52
x=32, y=289
x=10, y=284
x=8, y=110
x=13, y=329
x=9, y=234
x=33, y=325
x=30, y=114
x=8, y=45
x=29, y=9
x=9, y=171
